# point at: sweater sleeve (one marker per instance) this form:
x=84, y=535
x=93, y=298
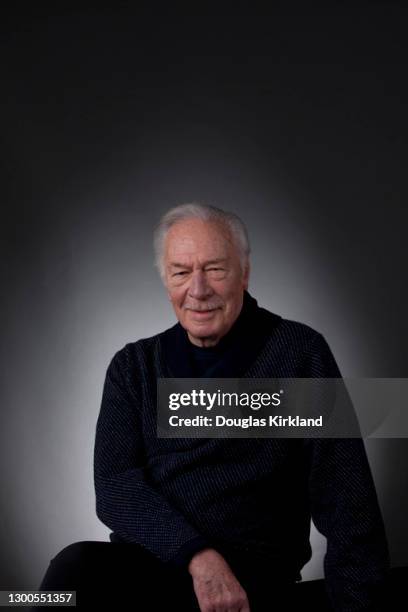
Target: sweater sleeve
x=125, y=500
x=345, y=509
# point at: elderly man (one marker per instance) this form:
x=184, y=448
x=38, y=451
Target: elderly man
x=222, y=525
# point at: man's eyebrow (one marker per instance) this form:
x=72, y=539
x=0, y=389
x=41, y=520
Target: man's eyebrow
x=210, y=262
x=177, y=265
x=215, y=261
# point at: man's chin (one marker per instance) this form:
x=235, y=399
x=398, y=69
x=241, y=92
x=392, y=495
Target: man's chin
x=202, y=332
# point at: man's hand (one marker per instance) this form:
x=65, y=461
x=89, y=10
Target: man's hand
x=215, y=586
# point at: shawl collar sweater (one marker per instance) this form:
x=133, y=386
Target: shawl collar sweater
x=251, y=499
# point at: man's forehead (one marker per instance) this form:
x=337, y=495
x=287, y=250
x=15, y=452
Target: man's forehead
x=202, y=238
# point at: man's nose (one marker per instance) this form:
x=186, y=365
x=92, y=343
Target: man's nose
x=199, y=287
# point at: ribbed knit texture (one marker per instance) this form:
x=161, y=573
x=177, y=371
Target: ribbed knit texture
x=251, y=499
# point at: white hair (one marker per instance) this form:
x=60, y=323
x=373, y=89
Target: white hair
x=204, y=212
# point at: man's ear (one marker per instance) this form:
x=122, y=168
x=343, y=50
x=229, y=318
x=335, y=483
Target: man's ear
x=167, y=291
x=163, y=279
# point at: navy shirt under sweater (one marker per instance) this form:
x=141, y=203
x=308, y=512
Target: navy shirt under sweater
x=251, y=499
x=204, y=359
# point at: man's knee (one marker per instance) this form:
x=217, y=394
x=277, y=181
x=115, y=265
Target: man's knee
x=74, y=553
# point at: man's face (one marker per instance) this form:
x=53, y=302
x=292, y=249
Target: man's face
x=204, y=279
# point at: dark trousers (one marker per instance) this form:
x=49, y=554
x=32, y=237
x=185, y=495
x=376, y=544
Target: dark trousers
x=116, y=576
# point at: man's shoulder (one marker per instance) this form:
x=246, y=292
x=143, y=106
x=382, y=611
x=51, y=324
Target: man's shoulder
x=299, y=350
x=300, y=331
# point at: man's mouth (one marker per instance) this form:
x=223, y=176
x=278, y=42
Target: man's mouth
x=202, y=313
x=202, y=308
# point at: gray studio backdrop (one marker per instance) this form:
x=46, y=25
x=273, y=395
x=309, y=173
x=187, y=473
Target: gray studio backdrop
x=98, y=148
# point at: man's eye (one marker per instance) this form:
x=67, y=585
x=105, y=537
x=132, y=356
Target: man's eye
x=214, y=269
x=179, y=273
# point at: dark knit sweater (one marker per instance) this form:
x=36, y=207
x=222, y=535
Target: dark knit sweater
x=251, y=499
